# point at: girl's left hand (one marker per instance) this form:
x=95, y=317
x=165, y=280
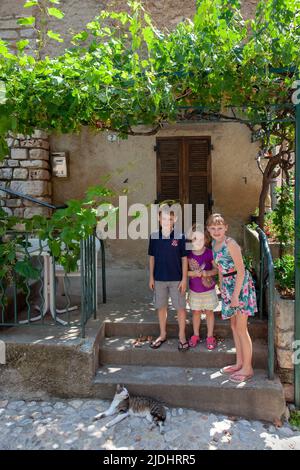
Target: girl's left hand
x=234, y=301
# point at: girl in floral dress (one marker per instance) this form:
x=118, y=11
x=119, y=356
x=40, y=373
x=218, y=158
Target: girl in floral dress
x=238, y=296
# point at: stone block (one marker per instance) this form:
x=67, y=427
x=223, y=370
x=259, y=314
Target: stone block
x=9, y=34
x=19, y=154
x=39, y=175
x=20, y=174
x=39, y=154
x=5, y=173
x=19, y=212
x=30, y=188
x=39, y=134
x=13, y=163
x=284, y=339
x=34, y=143
x=285, y=358
x=9, y=23
x=289, y=393
x=286, y=376
x=13, y=202
x=31, y=211
x=3, y=163
x=284, y=313
x=27, y=33
x=12, y=142
x=8, y=210
x=35, y=164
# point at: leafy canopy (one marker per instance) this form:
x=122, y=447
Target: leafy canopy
x=121, y=71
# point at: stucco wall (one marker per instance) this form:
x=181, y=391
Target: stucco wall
x=93, y=156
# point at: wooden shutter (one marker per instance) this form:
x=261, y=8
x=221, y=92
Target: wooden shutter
x=198, y=172
x=184, y=171
x=169, y=159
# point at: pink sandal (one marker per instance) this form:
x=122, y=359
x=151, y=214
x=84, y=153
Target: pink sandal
x=211, y=343
x=193, y=341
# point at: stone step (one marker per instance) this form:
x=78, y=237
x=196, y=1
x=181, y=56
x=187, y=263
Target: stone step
x=148, y=326
x=120, y=350
x=196, y=388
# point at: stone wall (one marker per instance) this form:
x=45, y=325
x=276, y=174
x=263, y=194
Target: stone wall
x=165, y=14
x=26, y=170
x=284, y=338
x=10, y=31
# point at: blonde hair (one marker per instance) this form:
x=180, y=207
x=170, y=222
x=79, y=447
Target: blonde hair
x=215, y=219
x=200, y=228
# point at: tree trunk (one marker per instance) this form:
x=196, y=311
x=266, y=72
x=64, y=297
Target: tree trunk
x=262, y=200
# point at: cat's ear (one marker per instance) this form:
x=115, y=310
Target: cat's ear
x=120, y=388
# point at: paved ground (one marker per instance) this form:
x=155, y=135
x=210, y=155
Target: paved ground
x=68, y=424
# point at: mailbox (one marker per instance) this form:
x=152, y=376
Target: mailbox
x=59, y=164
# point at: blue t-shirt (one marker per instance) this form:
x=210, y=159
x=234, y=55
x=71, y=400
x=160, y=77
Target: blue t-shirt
x=167, y=254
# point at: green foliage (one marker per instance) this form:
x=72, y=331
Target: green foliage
x=63, y=232
x=285, y=273
x=269, y=227
x=279, y=224
x=295, y=418
x=252, y=226
x=248, y=262
x=122, y=71
x=283, y=219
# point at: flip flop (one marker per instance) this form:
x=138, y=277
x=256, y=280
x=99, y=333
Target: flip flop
x=182, y=346
x=157, y=343
x=229, y=370
x=240, y=378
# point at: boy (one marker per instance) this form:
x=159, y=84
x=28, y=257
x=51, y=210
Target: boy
x=168, y=275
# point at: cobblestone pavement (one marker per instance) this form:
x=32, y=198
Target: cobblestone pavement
x=68, y=424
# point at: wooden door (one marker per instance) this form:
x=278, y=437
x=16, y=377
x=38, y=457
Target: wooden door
x=184, y=171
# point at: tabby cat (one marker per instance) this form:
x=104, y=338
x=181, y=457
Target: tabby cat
x=123, y=405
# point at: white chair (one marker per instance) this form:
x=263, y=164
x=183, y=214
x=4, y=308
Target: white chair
x=61, y=275
x=40, y=248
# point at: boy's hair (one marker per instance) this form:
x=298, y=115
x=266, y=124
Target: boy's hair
x=201, y=229
x=215, y=219
x=168, y=208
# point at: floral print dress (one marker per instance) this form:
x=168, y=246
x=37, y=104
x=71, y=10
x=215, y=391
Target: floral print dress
x=247, y=297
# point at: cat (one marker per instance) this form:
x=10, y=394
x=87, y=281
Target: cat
x=123, y=405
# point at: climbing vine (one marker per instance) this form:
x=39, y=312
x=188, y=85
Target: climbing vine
x=122, y=71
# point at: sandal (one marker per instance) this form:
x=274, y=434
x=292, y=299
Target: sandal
x=240, y=378
x=183, y=346
x=230, y=369
x=157, y=343
x=193, y=341
x=211, y=343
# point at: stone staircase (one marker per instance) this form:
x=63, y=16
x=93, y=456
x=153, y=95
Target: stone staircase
x=188, y=379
